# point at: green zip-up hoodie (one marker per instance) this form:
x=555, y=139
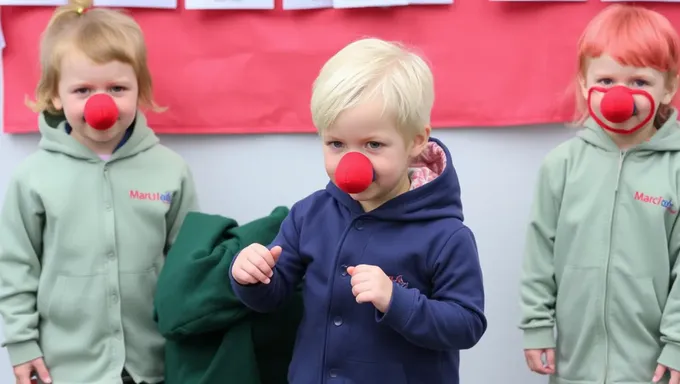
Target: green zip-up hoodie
x=82, y=241
x=602, y=258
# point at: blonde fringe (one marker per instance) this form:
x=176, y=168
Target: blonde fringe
x=62, y=19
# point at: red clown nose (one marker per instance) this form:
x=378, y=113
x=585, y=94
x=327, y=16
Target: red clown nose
x=354, y=173
x=617, y=105
x=101, y=112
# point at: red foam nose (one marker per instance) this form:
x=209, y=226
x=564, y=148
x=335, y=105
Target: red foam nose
x=617, y=105
x=354, y=173
x=101, y=112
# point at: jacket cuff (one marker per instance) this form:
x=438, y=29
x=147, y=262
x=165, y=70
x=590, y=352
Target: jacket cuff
x=670, y=356
x=401, y=306
x=23, y=352
x=539, y=338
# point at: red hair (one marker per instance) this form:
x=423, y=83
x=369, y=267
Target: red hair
x=633, y=36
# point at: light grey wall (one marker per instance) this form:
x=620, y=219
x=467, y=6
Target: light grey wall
x=497, y=170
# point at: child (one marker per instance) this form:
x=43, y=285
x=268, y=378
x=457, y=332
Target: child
x=392, y=286
x=88, y=218
x=603, y=243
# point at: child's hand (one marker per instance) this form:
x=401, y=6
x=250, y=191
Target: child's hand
x=660, y=370
x=255, y=264
x=535, y=362
x=371, y=285
x=23, y=372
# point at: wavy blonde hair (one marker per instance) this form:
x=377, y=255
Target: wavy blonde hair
x=103, y=35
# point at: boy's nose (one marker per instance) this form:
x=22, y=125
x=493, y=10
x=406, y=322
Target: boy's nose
x=354, y=173
x=101, y=112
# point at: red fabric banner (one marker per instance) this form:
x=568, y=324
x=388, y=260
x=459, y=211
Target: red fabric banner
x=233, y=72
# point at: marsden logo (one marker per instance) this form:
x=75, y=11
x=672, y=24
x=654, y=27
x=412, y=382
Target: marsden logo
x=656, y=200
x=165, y=197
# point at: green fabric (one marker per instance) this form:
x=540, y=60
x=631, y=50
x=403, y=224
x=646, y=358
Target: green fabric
x=604, y=229
x=55, y=139
x=81, y=243
x=211, y=336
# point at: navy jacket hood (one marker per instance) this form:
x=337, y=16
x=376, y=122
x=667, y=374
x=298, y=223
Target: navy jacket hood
x=438, y=199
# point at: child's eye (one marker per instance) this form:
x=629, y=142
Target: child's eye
x=374, y=145
x=81, y=91
x=605, y=81
x=116, y=89
x=334, y=144
x=640, y=83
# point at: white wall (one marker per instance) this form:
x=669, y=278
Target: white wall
x=497, y=170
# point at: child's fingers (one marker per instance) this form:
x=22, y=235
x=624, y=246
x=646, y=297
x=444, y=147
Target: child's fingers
x=22, y=373
x=243, y=277
x=536, y=364
x=266, y=256
x=263, y=261
x=550, y=360
x=255, y=271
x=276, y=252
x=40, y=368
x=675, y=377
x=658, y=373
x=534, y=361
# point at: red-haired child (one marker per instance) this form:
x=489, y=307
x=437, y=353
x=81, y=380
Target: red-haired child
x=602, y=249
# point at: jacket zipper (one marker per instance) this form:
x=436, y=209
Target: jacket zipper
x=622, y=155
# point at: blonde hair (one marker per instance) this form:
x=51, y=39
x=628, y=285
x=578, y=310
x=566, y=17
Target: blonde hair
x=103, y=35
x=372, y=68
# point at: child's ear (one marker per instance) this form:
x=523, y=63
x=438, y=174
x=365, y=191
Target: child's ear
x=581, y=84
x=671, y=89
x=420, y=141
x=56, y=102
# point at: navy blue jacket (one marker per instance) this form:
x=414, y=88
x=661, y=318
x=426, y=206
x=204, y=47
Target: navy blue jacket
x=420, y=241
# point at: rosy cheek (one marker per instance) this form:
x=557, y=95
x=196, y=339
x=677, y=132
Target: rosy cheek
x=330, y=162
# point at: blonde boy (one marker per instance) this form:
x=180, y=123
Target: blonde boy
x=392, y=283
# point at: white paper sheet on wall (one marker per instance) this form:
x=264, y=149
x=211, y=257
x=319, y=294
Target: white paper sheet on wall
x=229, y=4
x=368, y=3
x=39, y=3
x=99, y=3
x=166, y=4
x=543, y=1
x=307, y=4
x=430, y=2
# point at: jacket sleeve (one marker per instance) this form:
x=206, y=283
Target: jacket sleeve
x=182, y=203
x=670, y=319
x=538, y=288
x=21, y=225
x=288, y=271
x=453, y=316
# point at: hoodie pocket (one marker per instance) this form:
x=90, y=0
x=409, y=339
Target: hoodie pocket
x=633, y=318
x=578, y=314
x=73, y=322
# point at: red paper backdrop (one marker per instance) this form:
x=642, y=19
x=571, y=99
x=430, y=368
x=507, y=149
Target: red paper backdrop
x=227, y=72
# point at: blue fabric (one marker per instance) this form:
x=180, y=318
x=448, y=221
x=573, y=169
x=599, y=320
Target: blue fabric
x=420, y=241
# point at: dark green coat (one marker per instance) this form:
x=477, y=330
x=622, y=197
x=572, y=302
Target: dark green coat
x=211, y=337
